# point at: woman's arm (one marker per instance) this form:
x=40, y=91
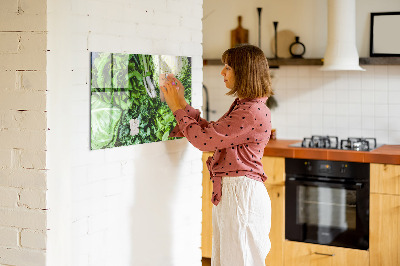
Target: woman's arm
x=175, y=98
x=238, y=128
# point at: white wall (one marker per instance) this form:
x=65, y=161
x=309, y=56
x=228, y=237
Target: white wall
x=306, y=19
x=135, y=205
x=311, y=102
x=23, y=133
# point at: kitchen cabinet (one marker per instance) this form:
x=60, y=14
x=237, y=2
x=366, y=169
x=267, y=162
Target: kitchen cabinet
x=206, y=225
x=385, y=178
x=305, y=254
x=385, y=215
x=274, y=168
x=277, y=233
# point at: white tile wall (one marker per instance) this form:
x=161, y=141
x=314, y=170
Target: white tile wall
x=312, y=102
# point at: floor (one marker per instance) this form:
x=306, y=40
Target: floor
x=206, y=261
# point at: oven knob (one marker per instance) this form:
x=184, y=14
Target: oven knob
x=343, y=168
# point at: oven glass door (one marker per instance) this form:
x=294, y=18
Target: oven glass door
x=326, y=213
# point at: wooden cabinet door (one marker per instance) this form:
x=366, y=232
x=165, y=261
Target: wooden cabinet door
x=206, y=226
x=274, y=168
x=384, y=237
x=385, y=178
x=304, y=254
x=277, y=233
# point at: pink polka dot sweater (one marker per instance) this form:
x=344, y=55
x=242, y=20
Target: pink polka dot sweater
x=238, y=139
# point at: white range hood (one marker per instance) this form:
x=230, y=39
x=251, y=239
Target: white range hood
x=341, y=51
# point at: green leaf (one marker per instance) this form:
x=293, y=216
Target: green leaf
x=104, y=120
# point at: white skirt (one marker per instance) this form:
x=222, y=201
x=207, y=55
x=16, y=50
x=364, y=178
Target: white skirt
x=241, y=223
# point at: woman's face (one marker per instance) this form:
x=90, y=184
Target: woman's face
x=229, y=76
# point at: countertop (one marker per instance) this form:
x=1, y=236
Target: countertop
x=389, y=154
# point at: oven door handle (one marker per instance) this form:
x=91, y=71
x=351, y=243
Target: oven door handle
x=357, y=185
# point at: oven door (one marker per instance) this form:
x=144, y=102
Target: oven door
x=327, y=213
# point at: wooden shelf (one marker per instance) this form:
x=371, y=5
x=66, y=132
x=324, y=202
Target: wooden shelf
x=380, y=61
x=274, y=63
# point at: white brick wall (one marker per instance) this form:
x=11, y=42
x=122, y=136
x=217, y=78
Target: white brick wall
x=23, y=132
x=136, y=205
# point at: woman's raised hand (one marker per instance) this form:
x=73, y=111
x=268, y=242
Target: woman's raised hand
x=174, y=93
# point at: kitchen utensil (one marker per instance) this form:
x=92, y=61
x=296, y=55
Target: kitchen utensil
x=239, y=35
x=297, y=49
x=259, y=9
x=276, y=38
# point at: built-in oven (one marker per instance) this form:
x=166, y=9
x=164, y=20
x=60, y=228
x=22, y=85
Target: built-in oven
x=327, y=202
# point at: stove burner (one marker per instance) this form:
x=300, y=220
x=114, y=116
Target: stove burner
x=328, y=142
x=358, y=144
x=332, y=142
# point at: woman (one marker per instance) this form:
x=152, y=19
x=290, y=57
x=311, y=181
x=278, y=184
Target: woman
x=242, y=208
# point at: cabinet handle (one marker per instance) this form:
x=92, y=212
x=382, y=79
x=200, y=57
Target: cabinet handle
x=324, y=254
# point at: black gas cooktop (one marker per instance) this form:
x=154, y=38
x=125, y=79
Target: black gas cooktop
x=332, y=142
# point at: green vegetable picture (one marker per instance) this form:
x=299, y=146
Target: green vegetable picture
x=126, y=105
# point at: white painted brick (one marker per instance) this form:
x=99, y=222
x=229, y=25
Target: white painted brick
x=80, y=158
x=8, y=237
x=23, y=22
x=79, y=228
x=196, y=38
x=22, y=100
x=127, y=168
x=17, y=256
x=97, y=173
x=191, y=23
x=83, y=140
x=5, y=158
x=79, y=175
x=33, y=159
x=23, y=178
x=98, y=222
x=28, y=61
x=9, y=42
x=34, y=120
x=33, y=199
x=33, y=239
x=114, y=186
x=15, y=158
x=35, y=140
x=81, y=82
x=8, y=197
x=20, y=217
x=80, y=63
x=32, y=42
x=175, y=8
x=153, y=32
x=36, y=7
x=31, y=80
x=7, y=79
x=8, y=6
x=197, y=63
x=197, y=166
x=196, y=10
x=80, y=125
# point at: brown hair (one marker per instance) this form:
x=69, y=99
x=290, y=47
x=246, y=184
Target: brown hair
x=250, y=66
